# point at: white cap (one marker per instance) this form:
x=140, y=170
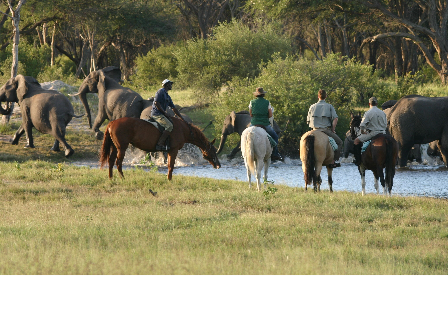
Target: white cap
x=166, y=81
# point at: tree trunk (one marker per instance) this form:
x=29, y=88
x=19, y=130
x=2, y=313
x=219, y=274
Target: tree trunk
x=52, y=45
x=84, y=58
x=398, y=58
x=15, y=47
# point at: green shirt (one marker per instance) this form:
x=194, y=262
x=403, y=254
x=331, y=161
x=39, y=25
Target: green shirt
x=260, y=111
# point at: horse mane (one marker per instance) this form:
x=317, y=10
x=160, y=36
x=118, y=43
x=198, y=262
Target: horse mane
x=355, y=122
x=198, y=134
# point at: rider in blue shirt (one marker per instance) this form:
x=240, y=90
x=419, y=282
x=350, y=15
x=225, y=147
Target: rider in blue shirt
x=158, y=112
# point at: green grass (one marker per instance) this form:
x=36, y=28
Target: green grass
x=61, y=219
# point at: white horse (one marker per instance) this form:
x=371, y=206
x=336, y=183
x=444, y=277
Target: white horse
x=257, y=151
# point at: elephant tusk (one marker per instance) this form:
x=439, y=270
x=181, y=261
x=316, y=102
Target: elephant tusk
x=74, y=94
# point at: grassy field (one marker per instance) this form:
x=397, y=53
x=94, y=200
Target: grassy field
x=57, y=218
x=62, y=219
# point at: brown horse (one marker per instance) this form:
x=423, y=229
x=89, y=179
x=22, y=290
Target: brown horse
x=381, y=153
x=315, y=152
x=143, y=135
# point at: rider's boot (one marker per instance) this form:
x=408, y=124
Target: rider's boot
x=357, y=153
x=161, y=146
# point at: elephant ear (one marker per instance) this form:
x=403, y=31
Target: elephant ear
x=233, y=118
x=22, y=87
x=101, y=82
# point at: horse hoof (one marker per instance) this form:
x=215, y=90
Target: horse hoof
x=69, y=152
x=29, y=146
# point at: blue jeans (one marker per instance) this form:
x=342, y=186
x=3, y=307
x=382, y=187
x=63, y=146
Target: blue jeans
x=274, y=136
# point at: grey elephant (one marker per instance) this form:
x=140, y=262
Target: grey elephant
x=48, y=111
x=237, y=123
x=414, y=152
x=420, y=120
x=115, y=101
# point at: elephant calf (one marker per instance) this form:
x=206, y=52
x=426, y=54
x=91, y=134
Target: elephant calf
x=48, y=111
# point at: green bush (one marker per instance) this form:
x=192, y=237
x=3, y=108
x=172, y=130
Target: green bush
x=63, y=69
x=292, y=86
x=233, y=50
x=155, y=66
x=32, y=60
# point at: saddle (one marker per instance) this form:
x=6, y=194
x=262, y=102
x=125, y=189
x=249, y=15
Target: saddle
x=155, y=123
x=271, y=140
x=368, y=142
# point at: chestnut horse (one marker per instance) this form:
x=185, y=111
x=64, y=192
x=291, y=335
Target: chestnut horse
x=144, y=135
x=315, y=152
x=381, y=153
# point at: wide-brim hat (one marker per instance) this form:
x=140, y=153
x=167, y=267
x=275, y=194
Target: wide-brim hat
x=259, y=91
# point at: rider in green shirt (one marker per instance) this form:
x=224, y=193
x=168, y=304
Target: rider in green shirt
x=261, y=110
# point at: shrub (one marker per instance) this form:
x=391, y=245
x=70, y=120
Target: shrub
x=233, y=50
x=292, y=86
x=155, y=66
x=63, y=69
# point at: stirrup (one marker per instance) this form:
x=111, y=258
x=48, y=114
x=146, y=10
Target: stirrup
x=163, y=148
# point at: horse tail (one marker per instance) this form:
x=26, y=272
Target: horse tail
x=105, y=148
x=390, y=161
x=249, y=152
x=310, y=160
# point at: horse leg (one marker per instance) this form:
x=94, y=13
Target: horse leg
x=258, y=168
x=318, y=180
x=120, y=158
x=249, y=177
x=267, y=162
x=171, y=160
x=362, y=171
x=112, y=158
x=330, y=178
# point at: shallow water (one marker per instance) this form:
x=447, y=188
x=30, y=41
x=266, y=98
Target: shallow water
x=429, y=179
x=418, y=180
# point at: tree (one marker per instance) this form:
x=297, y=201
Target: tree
x=15, y=16
x=207, y=13
x=426, y=27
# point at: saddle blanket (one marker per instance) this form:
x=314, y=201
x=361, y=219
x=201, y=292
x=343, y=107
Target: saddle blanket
x=333, y=143
x=365, y=145
x=157, y=125
x=271, y=141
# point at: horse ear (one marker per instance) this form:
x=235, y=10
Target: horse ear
x=359, y=113
x=351, y=115
x=213, y=141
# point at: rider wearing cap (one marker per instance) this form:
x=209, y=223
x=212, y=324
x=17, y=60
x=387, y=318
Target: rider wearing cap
x=322, y=116
x=158, y=112
x=374, y=122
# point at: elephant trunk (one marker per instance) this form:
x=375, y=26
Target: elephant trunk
x=82, y=92
x=222, y=142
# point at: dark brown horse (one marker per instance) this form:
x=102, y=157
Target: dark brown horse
x=143, y=135
x=381, y=153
